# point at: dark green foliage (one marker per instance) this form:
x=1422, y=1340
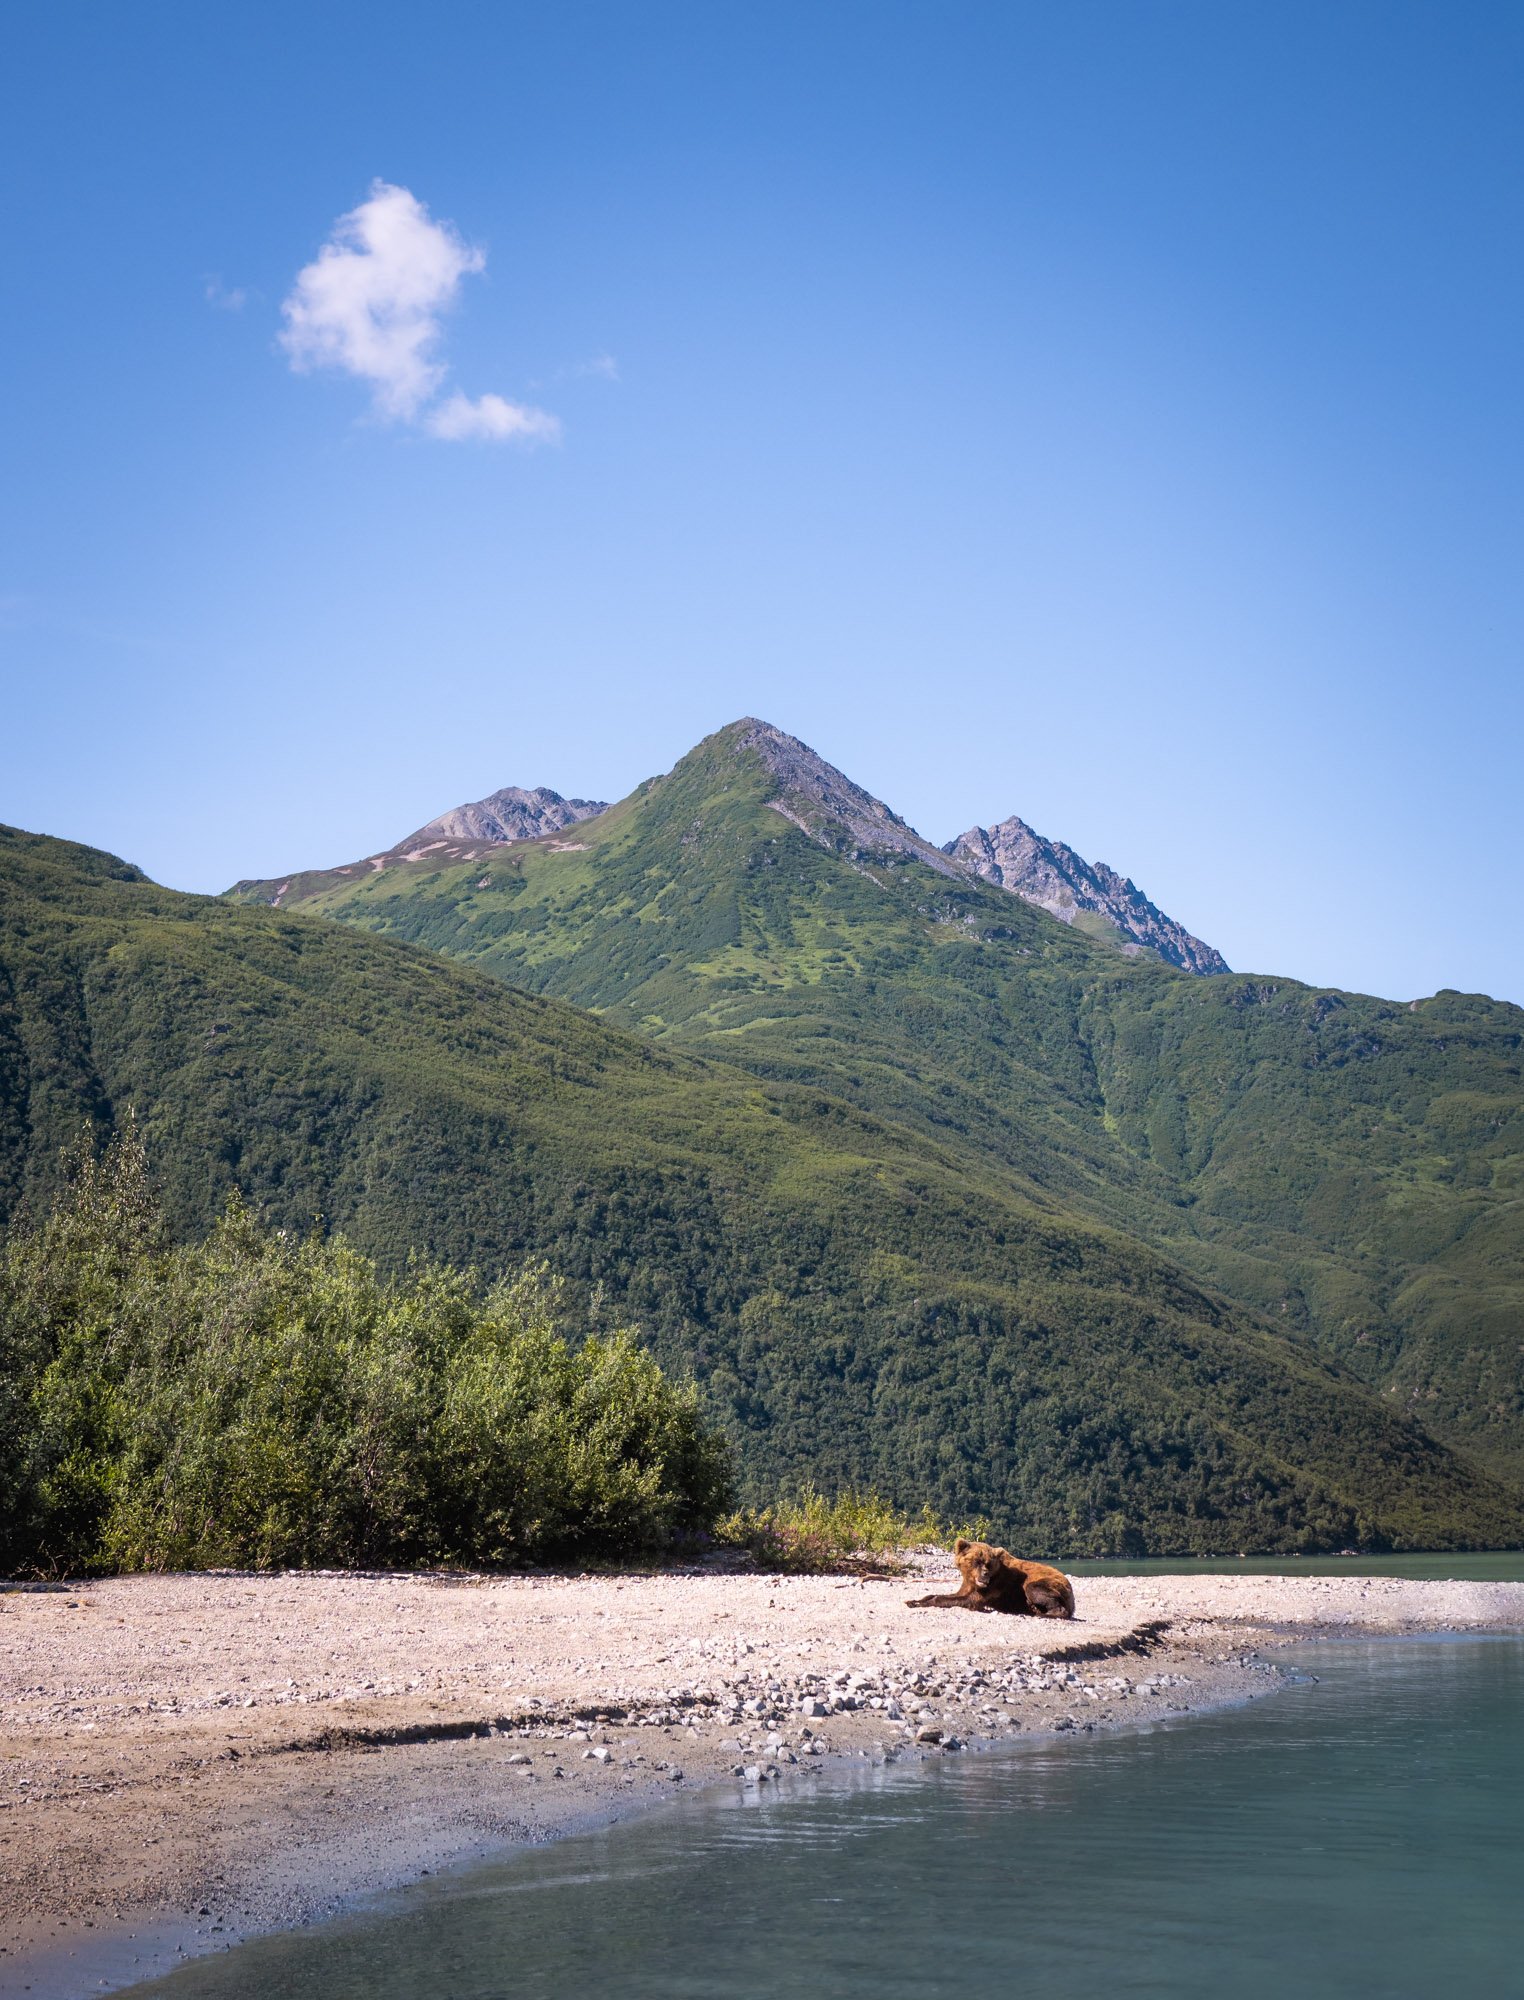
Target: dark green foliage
x=921, y=1303
x=259, y=1400
x=1350, y=1168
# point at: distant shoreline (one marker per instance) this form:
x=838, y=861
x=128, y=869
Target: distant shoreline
x=191, y=1760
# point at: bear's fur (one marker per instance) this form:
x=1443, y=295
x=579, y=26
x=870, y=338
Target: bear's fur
x=995, y=1580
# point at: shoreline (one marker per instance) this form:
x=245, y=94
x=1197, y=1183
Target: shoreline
x=218, y=1756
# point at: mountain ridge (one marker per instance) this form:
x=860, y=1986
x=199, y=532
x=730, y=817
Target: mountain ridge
x=832, y=809
x=857, y=1306
x=1349, y=1166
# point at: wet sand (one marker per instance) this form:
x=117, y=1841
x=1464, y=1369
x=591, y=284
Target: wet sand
x=188, y=1760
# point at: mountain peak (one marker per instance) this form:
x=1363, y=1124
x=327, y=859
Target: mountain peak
x=784, y=774
x=1053, y=876
x=823, y=801
x=510, y=814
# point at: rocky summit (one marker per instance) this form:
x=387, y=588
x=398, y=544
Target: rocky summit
x=464, y=833
x=511, y=814
x=825, y=803
x=1056, y=879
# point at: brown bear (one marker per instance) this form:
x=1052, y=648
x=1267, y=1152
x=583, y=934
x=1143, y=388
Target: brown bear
x=995, y=1580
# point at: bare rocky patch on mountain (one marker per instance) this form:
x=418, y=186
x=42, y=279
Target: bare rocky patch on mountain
x=1055, y=878
x=510, y=814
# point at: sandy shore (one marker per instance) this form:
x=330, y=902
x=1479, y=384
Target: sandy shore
x=186, y=1760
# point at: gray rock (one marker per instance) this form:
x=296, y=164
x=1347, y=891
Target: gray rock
x=511, y=814
x=1056, y=879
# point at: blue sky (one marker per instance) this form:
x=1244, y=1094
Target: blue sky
x=1107, y=414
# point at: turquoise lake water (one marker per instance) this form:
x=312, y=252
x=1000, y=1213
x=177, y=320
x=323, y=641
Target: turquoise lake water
x=1360, y=1836
x=1497, y=1566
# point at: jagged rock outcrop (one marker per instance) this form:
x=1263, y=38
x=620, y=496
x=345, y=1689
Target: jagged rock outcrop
x=511, y=814
x=1058, y=880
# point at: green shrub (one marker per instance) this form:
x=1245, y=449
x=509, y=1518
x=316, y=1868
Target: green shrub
x=262, y=1400
x=543, y=1449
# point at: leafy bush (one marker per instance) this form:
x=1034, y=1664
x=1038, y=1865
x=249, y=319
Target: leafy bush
x=263, y=1400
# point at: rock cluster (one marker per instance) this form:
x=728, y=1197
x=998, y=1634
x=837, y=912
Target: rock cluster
x=1056, y=879
x=776, y=1717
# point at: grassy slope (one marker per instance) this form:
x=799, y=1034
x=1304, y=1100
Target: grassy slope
x=858, y=1306
x=1350, y=1166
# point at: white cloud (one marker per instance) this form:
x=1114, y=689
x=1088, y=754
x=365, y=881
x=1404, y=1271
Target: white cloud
x=372, y=304
x=490, y=417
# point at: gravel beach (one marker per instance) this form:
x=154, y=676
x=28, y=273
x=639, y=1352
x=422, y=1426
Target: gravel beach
x=186, y=1760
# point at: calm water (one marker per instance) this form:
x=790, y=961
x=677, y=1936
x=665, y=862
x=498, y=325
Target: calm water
x=1497, y=1566
x=1361, y=1837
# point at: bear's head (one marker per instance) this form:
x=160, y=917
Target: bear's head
x=979, y=1561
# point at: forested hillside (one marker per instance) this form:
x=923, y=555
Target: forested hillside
x=856, y=1300
x=1350, y=1168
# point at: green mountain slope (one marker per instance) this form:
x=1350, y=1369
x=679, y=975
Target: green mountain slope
x=1350, y=1167
x=857, y=1304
